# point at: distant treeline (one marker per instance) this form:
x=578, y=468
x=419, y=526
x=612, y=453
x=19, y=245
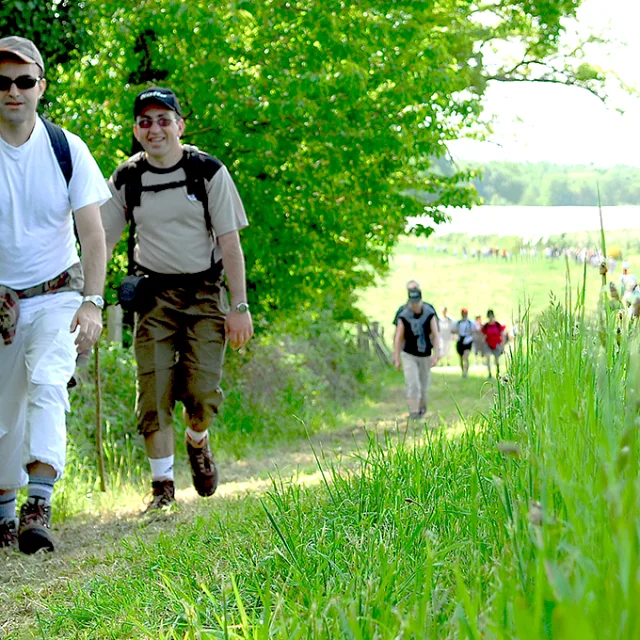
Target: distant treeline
x=545, y=184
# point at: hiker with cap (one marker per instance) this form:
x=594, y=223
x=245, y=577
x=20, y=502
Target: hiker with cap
x=184, y=215
x=411, y=285
x=50, y=303
x=464, y=329
x=415, y=350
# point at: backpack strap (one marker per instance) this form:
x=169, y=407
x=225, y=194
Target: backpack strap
x=131, y=177
x=198, y=167
x=61, y=149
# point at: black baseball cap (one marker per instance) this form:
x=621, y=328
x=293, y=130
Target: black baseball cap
x=156, y=95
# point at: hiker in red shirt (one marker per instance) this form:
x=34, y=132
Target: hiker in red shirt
x=494, y=335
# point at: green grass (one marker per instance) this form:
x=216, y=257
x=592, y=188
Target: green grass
x=478, y=285
x=522, y=524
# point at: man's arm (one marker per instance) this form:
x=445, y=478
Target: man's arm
x=434, y=336
x=239, y=326
x=94, y=264
x=398, y=340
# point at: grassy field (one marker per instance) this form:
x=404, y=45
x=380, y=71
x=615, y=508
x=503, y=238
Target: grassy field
x=507, y=287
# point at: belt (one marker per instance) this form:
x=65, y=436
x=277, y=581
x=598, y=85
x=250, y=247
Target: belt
x=183, y=280
x=70, y=280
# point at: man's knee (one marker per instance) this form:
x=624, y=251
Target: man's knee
x=201, y=399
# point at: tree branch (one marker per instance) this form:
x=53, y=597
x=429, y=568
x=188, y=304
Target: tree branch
x=567, y=82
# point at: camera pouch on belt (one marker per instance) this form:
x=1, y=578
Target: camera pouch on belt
x=133, y=292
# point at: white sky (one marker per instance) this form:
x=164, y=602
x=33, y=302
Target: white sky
x=536, y=121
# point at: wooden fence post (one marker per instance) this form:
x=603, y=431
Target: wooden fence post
x=114, y=323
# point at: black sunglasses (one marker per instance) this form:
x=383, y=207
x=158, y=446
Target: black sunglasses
x=22, y=82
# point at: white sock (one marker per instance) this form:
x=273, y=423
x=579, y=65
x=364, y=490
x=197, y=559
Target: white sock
x=161, y=468
x=196, y=436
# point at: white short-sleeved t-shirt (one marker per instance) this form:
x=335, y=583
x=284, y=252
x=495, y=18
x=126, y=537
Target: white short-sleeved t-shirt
x=37, y=241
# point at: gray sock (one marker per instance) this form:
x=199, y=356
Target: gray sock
x=41, y=487
x=8, y=505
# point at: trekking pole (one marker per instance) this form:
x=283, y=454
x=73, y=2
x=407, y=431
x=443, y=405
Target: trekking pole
x=96, y=359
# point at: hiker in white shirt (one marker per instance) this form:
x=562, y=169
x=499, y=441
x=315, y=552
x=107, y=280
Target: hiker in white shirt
x=50, y=304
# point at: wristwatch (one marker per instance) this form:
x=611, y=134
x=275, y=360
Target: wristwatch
x=242, y=307
x=97, y=300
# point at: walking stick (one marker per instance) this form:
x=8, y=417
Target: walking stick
x=96, y=359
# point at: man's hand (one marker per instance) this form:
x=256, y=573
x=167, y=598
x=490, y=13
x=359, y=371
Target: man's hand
x=396, y=362
x=239, y=328
x=434, y=359
x=89, y=318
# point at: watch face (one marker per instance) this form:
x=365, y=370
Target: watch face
x=242, y=307
x=97, y=300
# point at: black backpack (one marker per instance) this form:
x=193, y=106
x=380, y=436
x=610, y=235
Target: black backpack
x=198, y=167
x=61, y=149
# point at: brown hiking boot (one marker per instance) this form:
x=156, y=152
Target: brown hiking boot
x=8, y=533
x=164, y=495
x=203, y=468
x=34, y=531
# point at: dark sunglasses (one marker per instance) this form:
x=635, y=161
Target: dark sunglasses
x=22, y=82
x=147, y=123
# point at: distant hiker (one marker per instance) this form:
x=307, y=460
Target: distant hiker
x=415, y=350
x=494, y=334
x=412, y=285
x=445, y=326
x=625, y=278
x=465, y=330
x=478, y=344
x=184, y=213
x=49, y=310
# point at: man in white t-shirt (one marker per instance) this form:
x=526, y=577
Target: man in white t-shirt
x=50, y=305
x=186, y=213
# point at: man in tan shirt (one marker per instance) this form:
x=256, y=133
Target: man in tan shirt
x=182, y=241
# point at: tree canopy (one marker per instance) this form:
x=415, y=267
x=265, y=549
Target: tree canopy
x=545, y=184
x=330, y=115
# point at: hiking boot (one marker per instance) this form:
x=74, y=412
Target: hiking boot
x=8, y=533
x=203, y=468
x=34, y=531
x=164, y=495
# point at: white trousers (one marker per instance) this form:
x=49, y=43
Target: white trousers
x=34, y=371
x=417, y=376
